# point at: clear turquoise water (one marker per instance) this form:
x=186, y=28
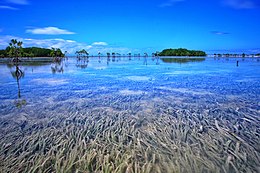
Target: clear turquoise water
x=216, y=88
x=217, y=80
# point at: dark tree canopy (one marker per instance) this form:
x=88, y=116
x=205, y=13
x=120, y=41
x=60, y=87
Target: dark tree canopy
x=31, y=52
x=37, y=52
x=181, y=52
x=3, y=53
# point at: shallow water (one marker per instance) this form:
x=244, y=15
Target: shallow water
x=138, y=115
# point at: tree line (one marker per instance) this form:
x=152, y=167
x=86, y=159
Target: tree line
x=15, y=49
x=235, y=55
x=182, y=52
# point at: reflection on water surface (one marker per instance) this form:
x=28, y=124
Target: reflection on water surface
x=138, y=115
x=182, y=60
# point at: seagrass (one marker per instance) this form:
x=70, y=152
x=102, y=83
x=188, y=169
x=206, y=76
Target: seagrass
x=155, y=136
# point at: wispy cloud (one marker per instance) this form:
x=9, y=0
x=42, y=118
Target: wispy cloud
x=8, y=7
x=99, y=44
x=219, y=33
x=65, y=45
x=68, y=45
x=241, y=4
x=49, y=31
x=170, y=3
x=20, y=2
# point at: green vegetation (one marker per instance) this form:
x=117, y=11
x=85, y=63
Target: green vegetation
x=57, y=54
x=82, y=53
x=106, y=138
x=113, y=54
x=108, y=55
x=15, y=49
x=243, y=55
x=181, y=52
x=15, y=52
x=3, y=53
x=31, y=52
x=82, y=58
x=37, y=52
x=182, y=60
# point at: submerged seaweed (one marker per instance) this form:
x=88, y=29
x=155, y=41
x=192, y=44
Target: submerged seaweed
x=144, y=127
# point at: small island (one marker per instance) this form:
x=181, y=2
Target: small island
x=182, y=52
x=32, y=52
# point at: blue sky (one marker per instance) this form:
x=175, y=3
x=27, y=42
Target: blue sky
x=133, y=25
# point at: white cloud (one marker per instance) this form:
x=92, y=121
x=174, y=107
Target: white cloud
x=8, y=7
x=71, y=41
x=170, y=3
x=49, y=31
x=219, y=33
x=99, y=44
x=241, y=4
x=65, y=45
x=20, y=2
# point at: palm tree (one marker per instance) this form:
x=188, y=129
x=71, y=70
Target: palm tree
x=113, y=54
x=145, y=58
x=99, y=54
x=14, y=41
x=84, y=53
x=15, y=50
x=129, y=55
x=53, y=53
x=57, y=54
x=65, y=54
x=18, y=74
x=108, y=55
x=77, y=53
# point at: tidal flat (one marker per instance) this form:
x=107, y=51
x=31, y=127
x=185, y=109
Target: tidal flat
x=131, y=115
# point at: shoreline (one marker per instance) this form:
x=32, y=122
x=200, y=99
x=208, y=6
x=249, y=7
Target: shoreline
x=23, y=59
x=50, y=59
